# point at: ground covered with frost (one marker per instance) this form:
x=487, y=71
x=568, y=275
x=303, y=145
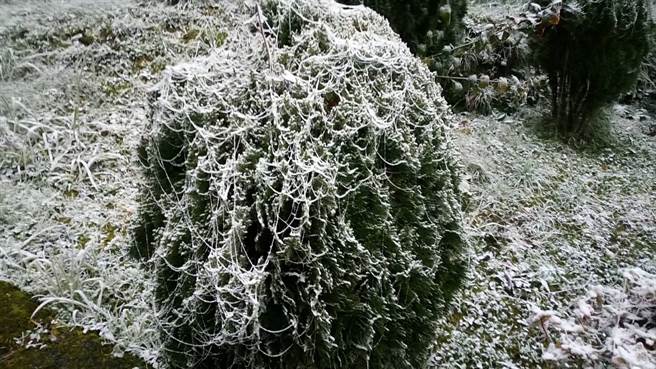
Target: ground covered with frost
x=547, y=223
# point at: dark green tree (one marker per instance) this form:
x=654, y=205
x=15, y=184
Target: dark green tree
x=426, y=26
x=592, y=51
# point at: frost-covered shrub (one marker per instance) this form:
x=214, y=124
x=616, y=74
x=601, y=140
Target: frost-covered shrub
x=608, y=326
x=425, y=25
x=302, y=207
x=591, y=51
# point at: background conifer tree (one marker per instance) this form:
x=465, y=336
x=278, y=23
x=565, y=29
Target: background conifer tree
x=592, y=51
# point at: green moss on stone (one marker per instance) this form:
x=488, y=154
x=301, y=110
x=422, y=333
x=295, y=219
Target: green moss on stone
x=15, y=315
x=66, y=348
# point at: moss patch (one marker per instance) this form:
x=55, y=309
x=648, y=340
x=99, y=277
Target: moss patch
x=190, y=35
x=66, y=348
x=15, y=315
x=121, y=87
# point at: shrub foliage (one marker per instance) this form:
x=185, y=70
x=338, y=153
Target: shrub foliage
x=490, y=70
x=591, y=51
x=302, y=207
x=646, y=86
x=425, y=25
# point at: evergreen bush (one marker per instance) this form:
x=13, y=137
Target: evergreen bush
x=426, y=26
x=302, y=206
x=591, y=51
x=646, y=86
x=490, y=70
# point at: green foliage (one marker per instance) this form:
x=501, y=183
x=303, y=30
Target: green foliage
x=646, y=86
x=426, y=26
x=592, y=51
x=490, y=69
x=302, y=207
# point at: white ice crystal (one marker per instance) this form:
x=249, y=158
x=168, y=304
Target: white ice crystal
x=613, y=326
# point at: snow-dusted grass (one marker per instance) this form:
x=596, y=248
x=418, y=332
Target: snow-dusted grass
x=73, y=80
x=547, y=222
